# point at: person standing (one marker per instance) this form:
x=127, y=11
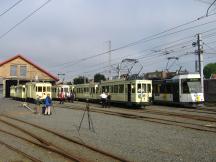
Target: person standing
x=37, y=104
x=108, y=99
x=72, y=96
x=103, y=97
x=61, y=97
x=48, y=104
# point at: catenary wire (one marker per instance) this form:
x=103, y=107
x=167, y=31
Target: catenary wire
x=149, y=38
x=24, y=19
x=11, y=7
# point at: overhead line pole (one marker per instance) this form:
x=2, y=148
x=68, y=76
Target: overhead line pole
x=200, y=59
x=110, y=73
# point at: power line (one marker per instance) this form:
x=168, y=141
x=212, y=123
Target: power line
x=24, y=19
x=209, y=46
x=210, y=7
x=146, y=39
x=4, y=12
x=93, y=56
x=150, y=56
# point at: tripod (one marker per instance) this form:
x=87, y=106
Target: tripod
x=90, y=122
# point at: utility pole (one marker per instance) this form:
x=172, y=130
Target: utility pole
x=63, y=76
x=200, y=59
x=110, y=73
x=118, y=69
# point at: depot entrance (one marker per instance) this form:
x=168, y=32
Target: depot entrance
x=9, y=83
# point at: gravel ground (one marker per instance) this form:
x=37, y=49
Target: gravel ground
x=129, y=138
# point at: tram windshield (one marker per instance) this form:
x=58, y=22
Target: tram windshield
x=192, y=85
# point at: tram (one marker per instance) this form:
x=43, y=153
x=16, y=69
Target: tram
x=57, y=89
x=35, y=89
x=124, y=92
x=128, y=92
x=88, y=91
x=182, y=90
x=12, y=91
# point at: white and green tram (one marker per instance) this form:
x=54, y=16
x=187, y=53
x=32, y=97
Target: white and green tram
x=128, y=92
x=180, y=90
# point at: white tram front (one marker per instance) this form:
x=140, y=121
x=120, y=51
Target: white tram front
x=180, y=90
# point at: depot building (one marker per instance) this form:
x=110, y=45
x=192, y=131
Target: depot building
x=19, y=70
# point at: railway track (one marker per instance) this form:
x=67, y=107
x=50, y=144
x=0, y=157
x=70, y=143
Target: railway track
x=201, y=127
x=56, y=147
x=20, y=152
x=201, y=110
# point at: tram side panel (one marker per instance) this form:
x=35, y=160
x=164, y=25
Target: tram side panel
x=88, y=91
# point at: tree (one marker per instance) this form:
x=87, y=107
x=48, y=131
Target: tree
x=80, y=80
x=209, y=69
x=98, y=77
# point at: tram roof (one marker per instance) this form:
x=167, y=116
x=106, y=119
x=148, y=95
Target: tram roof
x=187, y=76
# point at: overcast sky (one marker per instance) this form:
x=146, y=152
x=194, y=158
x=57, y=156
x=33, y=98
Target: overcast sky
x=64, y=32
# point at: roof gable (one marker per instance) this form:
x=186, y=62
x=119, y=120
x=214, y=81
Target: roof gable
x=30, y=62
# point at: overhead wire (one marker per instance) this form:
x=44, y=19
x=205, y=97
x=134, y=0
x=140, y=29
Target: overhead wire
x=161, y=36
x=11, y=7
x=176, y=41
x=24, y=19
x=149, y=38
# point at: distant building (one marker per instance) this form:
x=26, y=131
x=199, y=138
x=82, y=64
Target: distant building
x=213, y=76
x=19, y=70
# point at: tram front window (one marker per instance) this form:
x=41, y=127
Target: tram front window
x=191, y=85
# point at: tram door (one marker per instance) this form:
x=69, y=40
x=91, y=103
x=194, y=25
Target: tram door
x=175, y=92
x=129, y=92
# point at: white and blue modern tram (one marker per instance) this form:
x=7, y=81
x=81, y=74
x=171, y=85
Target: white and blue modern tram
x=180, y=90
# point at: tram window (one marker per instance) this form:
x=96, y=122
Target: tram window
x=111, y=89
x=121, y=88
x=185, y=88
x=169, y=88
x=48, y=89
x=162, y=88
x=23, y=89
x=97, y=89
x=149, y=88
x=65, y=89
x=44, y=89
x=144, y=88
x=115, y=88
x=39, y=89
x=107, y=89
x=155, y=88
x=87, y=89
x=138, y=88
x=103, y=88
x=133, y=87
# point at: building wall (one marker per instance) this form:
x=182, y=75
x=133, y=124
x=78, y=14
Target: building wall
x=1, y=86
x=210, y=90
x=32, y=71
